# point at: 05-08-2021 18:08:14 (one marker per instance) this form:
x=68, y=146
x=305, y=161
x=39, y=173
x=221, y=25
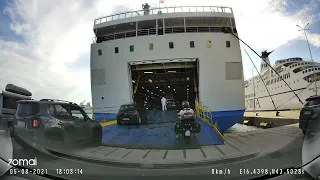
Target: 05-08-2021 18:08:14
x=271, y=171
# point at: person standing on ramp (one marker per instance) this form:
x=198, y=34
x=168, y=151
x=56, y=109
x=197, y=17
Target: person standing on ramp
x=164, y=103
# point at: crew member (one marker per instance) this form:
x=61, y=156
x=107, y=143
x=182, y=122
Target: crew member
x=145, y=8
x=164, y=103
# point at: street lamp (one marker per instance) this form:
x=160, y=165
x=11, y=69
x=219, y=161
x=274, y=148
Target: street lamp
x=305, y=34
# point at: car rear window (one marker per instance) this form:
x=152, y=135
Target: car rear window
x=27, y=109
x=127, y=108
x=61, y=111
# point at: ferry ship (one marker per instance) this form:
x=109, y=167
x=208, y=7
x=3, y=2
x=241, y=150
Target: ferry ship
x=300, y=74
x=189, y=52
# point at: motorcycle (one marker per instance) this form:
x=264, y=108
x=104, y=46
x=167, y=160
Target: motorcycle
x=186, y=125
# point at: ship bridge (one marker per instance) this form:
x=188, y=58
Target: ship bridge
x=166, y=20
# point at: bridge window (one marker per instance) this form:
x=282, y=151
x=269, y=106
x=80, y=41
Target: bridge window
x=208, y=44
x=131, y=48
x=171, y=45
x=150, y=46
x=228, y=44
x=116, y=50
x=191, y=44
x=99, y=52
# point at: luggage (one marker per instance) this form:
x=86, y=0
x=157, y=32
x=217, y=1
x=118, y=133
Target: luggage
x=18, y=90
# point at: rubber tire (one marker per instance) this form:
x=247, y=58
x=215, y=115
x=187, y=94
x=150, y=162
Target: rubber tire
x=11, y=130
x=96, y=138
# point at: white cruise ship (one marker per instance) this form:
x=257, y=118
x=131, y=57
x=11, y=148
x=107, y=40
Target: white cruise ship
x=188, y=51
x=298, y=73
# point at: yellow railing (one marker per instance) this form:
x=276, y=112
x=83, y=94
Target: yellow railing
x=204, y=114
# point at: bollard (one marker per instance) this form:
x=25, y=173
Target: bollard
x=265, y=125
x=247, y=122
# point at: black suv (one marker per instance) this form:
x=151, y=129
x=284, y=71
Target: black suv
x=309, y=113
x=52, y=122
x=132, y=113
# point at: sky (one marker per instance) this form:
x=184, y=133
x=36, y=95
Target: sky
x=45, y=44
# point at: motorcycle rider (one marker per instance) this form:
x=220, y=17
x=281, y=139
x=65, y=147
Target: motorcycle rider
x=185, y=109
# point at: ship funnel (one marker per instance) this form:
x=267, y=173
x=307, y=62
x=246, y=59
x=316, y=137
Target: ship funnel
x=264, y=60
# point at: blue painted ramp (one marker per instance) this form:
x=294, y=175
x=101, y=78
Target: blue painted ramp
x=157, y=132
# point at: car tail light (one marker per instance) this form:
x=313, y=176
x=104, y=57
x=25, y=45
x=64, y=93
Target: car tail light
x=35, y=123
x=187, y=116
x=136, y=113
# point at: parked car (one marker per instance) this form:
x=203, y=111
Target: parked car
x=51, y=122
x=173, y=104
x=309, y=114
x=132, y=113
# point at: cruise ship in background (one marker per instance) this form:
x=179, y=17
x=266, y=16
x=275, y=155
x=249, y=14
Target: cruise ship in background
x=299, y=74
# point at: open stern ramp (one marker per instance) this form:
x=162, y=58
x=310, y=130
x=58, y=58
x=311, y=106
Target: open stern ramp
x=158, y=132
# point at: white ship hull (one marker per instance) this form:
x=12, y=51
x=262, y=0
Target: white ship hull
x=283, y=101
x=296, y=74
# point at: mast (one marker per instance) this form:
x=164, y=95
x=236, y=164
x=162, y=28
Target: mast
x=254, y=93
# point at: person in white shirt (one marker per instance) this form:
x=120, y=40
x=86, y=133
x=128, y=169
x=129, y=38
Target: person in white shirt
x=164, y=103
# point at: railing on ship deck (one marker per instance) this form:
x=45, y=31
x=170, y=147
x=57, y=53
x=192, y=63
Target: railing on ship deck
x=161, y=10
x=105, y=113
x=204, y=114
x=153, y=31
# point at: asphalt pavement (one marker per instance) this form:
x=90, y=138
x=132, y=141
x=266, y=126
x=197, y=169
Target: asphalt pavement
x=287, y=156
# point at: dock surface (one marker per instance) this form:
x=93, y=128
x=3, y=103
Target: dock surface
x=272, y=114
x=238, y=147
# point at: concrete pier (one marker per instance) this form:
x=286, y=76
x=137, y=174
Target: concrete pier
x=269, y=118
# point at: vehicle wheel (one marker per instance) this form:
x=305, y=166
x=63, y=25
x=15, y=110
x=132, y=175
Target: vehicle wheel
x=54, y=142
x=96, y=138
x=11, y=130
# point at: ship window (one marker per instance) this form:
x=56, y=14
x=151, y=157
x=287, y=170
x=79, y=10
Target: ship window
x=99, y=52
x=228, y=44
x=191, y=44
x=171, y=45
x=309, y=70
x=150, y=46
x=131, y=48
x=116, y=50
x=208, y=44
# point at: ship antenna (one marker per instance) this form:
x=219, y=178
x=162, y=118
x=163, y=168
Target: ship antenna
x=267, y=64
x=261, y=79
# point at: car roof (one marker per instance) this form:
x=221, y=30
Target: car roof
x=130, y=104
x=46, y=102
x=313, y=98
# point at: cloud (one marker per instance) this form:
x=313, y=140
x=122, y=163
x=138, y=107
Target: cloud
x=57, y=34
